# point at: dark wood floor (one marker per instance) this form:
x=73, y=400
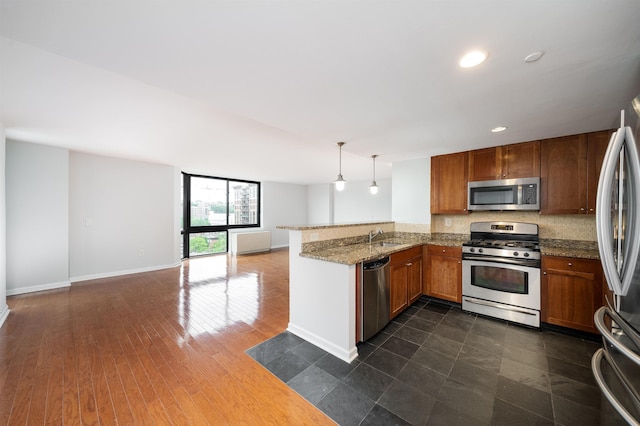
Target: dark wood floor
x=163, y=347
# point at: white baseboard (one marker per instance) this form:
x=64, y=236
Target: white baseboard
x=346, y=355
x=34, y=288
x=4, y=314
x=119, y=273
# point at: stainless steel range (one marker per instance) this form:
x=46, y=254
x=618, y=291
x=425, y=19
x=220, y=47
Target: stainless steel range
x=501, y=271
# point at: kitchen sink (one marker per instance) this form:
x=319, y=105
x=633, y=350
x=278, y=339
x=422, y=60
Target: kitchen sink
x=388, y=244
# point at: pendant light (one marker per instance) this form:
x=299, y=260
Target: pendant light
x=340, y=181
x=374, y=186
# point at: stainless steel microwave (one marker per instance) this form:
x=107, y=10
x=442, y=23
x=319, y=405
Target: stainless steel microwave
x=505, y=194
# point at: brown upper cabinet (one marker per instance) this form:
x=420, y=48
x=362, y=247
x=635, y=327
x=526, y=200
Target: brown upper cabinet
x=569, y=172
x=449, y=177
x=596, y=148
x=519, y=160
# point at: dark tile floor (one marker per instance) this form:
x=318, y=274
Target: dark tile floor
x=437, y=365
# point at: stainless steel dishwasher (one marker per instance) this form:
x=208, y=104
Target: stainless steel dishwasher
x=374, y=297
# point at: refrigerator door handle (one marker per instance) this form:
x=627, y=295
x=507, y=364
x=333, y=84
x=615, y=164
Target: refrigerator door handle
x=618, y=280
x=632, y=174
x=598, y=319
x=597, y=373
x=603, y=211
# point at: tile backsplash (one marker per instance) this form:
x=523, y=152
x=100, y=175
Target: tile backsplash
x=561, y=227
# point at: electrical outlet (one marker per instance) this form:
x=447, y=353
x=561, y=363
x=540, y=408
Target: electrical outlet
x=313, y=236
x=88, y=222
x=447, y=221
x=378, y=229
x=141, y=252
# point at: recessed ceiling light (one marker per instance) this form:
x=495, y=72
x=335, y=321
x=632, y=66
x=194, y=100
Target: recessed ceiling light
x=499, y=129
x=473, y=58
x=532, y=57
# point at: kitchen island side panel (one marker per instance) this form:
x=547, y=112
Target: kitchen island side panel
x=322, y=302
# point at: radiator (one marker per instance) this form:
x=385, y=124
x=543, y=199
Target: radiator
x=250, y=242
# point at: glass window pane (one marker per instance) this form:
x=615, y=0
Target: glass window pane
x=207, y=243
x=208, y=201
x=243, y=198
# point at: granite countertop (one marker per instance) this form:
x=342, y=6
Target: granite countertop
x=352, y=251
x=570, y=248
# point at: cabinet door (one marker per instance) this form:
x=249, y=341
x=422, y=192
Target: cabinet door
x=520, y=160
x=398, y=289
x=596, y=148
x=444, y=273
x=449, y=183
x=484, y=164
x=563, y=175
x=571, y=292
x=414, y=276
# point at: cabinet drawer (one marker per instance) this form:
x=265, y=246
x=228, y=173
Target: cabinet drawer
x=405, y=255
x=444, y=251
x=570, y=265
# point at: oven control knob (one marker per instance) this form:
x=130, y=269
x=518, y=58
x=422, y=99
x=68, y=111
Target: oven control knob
x=526, y=254
x=480, y=250
x=472, y=250
x=515, y=253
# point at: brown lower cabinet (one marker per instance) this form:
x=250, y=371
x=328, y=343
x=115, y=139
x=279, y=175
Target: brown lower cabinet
x=405, y=279
x=572, y=290
x=443, y=274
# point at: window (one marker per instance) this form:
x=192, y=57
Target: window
x=210, y=207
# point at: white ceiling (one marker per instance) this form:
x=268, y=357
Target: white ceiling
x=264, y=89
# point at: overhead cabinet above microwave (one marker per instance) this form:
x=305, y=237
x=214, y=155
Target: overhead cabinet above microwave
x=505, y=194
x=520, y=160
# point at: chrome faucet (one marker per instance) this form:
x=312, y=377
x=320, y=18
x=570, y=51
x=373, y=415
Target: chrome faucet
x=373, y=233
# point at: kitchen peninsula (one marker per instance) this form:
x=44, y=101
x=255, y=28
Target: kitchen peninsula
x=323, y=269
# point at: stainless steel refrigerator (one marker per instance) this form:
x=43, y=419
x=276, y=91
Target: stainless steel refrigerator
x=616, y=366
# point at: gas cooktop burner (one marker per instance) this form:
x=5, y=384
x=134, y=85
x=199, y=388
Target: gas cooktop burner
x=503, y=240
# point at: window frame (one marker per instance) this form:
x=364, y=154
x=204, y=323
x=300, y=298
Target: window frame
x=187, y=229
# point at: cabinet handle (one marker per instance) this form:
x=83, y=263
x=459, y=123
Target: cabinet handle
x=582, y=209
x=444, y=251
x=570, y=264
x=590, y=210
x=544, y=273
x=504, y=175
x=409, y=264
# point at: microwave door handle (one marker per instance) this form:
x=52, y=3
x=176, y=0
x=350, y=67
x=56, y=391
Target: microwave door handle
x=520, y=195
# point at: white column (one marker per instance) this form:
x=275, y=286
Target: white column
x=4, y=309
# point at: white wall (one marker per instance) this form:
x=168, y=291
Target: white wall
x=356, y=204
x=122, y=216
x=282, y=204
x=320, y=204
x=4, y=309
x=411, y=191
x=37, y=195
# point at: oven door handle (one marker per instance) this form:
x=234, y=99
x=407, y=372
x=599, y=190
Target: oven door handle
x=527, y=262
x=497, y=305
